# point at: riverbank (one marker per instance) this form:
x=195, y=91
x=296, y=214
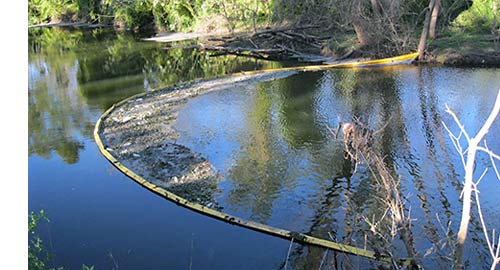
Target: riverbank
x=317, y=45
x=314, y=44
x=69, y=24
x=465, y=50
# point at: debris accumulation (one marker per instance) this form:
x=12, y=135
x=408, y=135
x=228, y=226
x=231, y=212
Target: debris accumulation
x=279, y=44
x=140, y=134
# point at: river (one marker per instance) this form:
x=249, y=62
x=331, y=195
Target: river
x=280, y=164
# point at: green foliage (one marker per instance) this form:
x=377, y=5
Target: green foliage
x=91, y=9
x=35, y=219
x=208, y=15
x=57, y=40
x=38, y=256
x=478, y=18
x=236, y=14
x=174, y=14
x=160, y=14
x=135, y=13
x=41, y=11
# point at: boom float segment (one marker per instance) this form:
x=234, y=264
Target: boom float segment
x=193, y=89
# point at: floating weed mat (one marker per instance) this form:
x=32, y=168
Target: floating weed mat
x=137, y=136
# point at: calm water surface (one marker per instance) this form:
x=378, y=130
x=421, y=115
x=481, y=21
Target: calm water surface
x=97, y=216
x=280, y=163
x=282, y=167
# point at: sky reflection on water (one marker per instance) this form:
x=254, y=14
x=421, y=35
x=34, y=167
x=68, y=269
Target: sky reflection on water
x=99, y=217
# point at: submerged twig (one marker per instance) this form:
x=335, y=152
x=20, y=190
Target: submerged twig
x=288, y=254
x=358, y=142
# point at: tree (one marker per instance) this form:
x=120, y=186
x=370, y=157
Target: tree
x=434, y=18
x=425, y=30
x=471, y=185
x=495, y=11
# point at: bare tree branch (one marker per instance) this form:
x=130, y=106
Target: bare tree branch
x=459, y=124
x=491, y=245
x=469, y=184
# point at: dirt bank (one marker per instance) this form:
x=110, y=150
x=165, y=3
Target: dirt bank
x=312, y=44
x=455, y=58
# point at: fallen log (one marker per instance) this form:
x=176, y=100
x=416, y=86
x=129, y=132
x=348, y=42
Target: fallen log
x=267, y=54
x=279, y=53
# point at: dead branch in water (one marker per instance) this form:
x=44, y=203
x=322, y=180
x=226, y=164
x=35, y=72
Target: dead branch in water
x=272, y=44
x=358, y=140
x=278, y=52
x=266, y=54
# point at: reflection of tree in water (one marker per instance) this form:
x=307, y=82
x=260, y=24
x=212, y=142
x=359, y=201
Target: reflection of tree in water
x=112, y=72
x=281, y=120
x=338, y=201
x=285, y=118
x=72, y=70
x=126, y=67
x=165, y=67
x=57, y=110
x=371, y=96
x=354, y=87
x=301, y=128
x=297, y=110
x=54, y=110
x=431, y=126
x=260, y=172
x=385, y=106
x=440, y=174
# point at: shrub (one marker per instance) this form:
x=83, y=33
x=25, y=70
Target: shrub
x=479, y=17
x=135, y=13
x=41, y=11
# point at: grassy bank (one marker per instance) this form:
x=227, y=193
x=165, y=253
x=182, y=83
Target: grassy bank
x=472, y=39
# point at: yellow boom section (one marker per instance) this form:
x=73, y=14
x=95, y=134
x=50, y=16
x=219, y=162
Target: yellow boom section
x=303, y=238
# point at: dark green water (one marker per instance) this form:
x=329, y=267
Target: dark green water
x=280, y=164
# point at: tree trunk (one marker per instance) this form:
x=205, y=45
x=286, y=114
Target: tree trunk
x=425, y=31
x=376, y=7
x=361, y=33
x=433, y=23
x=467, y=192
x=359, y=23
x=495, y=10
